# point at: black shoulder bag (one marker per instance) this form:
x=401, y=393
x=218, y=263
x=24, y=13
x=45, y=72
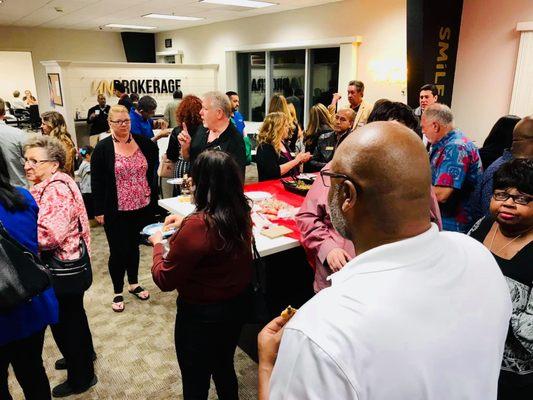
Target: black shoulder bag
x=70, y=276
x=22, y=275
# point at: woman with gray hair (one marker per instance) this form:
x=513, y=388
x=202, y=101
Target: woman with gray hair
x=62, y=223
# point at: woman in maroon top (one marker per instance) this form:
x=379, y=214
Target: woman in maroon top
x=210, y=264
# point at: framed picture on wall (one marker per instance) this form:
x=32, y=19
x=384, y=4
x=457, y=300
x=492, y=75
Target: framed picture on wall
x=54, y=86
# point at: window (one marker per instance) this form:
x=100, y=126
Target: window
x=252, y=85
x=304, y=76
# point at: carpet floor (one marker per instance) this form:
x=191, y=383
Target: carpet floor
x=136, y=356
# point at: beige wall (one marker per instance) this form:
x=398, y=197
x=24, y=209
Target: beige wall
x=60, y=44
x=16, y=73
x=381, y=23
x=486, y=61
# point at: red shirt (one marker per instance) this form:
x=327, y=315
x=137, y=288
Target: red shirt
x=197, y=268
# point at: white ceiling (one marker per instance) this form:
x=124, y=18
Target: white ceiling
x=93, y=14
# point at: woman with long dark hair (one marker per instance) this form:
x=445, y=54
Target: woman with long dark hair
x=209, y=263
x=498, y=140
x=22, y=328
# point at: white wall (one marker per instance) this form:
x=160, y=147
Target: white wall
x=381, y=23
x=486, y=62
x=60, y=44
x=16, y=73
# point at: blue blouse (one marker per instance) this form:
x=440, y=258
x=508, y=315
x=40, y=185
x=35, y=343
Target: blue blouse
x=34, y=316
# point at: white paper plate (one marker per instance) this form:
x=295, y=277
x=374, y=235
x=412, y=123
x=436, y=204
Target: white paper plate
x=307, y=176
x=149, y=230
x=175, y=181
x=258, y=196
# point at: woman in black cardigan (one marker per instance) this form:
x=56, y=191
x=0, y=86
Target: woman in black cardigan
x=273, y=157
x=124, y=187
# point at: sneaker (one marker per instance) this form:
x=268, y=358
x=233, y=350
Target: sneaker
x=62, y=363
x=64, y=389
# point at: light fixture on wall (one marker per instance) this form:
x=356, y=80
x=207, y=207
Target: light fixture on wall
x=241, y=3
x=174, y=17
x=135, y=27
x=388, y=71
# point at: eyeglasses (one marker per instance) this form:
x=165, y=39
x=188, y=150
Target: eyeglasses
x=120, y=121
x=327, y=172
x=33, y=163
x=522, y=199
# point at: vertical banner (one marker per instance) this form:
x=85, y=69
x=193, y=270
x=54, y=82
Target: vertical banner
x=432, y=41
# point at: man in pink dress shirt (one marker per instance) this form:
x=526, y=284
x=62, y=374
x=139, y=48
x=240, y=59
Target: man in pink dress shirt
x=323, y=244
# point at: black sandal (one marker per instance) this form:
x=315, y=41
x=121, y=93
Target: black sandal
x=137, y=291
x=116, y=305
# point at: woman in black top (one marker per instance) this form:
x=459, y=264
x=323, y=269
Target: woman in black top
x=273, y=157
x=508, y=234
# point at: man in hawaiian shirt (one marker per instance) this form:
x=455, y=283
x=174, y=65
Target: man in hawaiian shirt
x=455, y=167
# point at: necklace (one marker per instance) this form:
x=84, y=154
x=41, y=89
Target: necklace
x=508, y=243
x=118, y=141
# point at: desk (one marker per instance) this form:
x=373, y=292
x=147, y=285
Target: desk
x=265, y=246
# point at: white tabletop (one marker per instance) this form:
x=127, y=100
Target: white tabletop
x=265, y=246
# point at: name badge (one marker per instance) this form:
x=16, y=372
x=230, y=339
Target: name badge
x=96, y=112
x=330, y=148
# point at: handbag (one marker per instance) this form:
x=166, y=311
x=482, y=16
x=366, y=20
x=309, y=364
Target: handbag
x=259, y=309
x=166, y=167
x=22, y=274
x=70, y=276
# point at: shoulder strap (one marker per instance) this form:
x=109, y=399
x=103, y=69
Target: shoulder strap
x=80, y=230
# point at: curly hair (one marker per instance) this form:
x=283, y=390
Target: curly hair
x=55, y=151
x=57, y=122
x=517, y=173
x=188, y=111
x=273, y=129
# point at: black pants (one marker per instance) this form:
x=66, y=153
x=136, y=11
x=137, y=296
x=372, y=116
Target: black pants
x=74, y=340
x=514, y=387
x=206, y=338
x=89, y=205
x=123, y=237
x=25, y=356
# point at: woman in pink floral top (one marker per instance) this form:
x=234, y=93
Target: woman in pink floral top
x=124, y=187
x=61, y=213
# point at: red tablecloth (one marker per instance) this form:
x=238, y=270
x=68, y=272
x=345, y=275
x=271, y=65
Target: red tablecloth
x=276, y=188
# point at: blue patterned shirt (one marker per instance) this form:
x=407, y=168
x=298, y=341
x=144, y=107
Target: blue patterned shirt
x=455, y=163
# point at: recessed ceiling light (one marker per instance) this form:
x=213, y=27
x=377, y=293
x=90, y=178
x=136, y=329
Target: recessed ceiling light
x=241, y=3
x=176, y=17
x=140, y=27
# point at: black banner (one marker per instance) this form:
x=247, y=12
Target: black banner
x=432, y=41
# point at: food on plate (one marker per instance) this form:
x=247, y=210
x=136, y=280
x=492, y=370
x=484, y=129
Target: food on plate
x=288, y=312
x=272, y=206
x=184, y=198
x=303, y=185
x=166, y=228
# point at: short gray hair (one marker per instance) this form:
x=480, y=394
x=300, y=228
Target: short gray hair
x=440, y=113
x=219, y=100
x=55, y=151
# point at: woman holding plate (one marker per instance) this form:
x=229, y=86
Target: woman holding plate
x=210, y=265
x=124, y=187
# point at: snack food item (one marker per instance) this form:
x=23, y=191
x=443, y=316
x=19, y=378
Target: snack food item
x=288, y=312
x=303, y=185
x=184, y=198
x=272, y=206
x=166, y=228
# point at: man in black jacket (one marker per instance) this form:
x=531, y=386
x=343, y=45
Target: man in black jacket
x=217, y=132
x=329, y=141
x=97, y=116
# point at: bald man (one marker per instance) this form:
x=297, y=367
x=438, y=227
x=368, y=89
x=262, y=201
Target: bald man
x=417, y=314
x=521, y=147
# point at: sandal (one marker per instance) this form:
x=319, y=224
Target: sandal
x=118, y=303
x=137, y=293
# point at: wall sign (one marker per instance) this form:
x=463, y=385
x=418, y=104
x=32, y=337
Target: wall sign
x=139, y=86
x=168, y=43
x=54, y=86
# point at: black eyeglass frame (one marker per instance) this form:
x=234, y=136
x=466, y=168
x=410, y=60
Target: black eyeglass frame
x=327, y=172
x=523, y=199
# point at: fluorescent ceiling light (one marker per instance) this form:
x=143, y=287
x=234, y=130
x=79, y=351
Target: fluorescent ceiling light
x=241, y=3
x=140, y=27
x=176, y=17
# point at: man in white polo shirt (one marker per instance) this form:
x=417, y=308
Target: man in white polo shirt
x=418, y=314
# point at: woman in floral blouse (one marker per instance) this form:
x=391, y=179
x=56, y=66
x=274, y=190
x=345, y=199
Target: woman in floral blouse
x=124, y=187
x=61, y=213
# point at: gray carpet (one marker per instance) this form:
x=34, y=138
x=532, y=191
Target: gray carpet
x=136, y=356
